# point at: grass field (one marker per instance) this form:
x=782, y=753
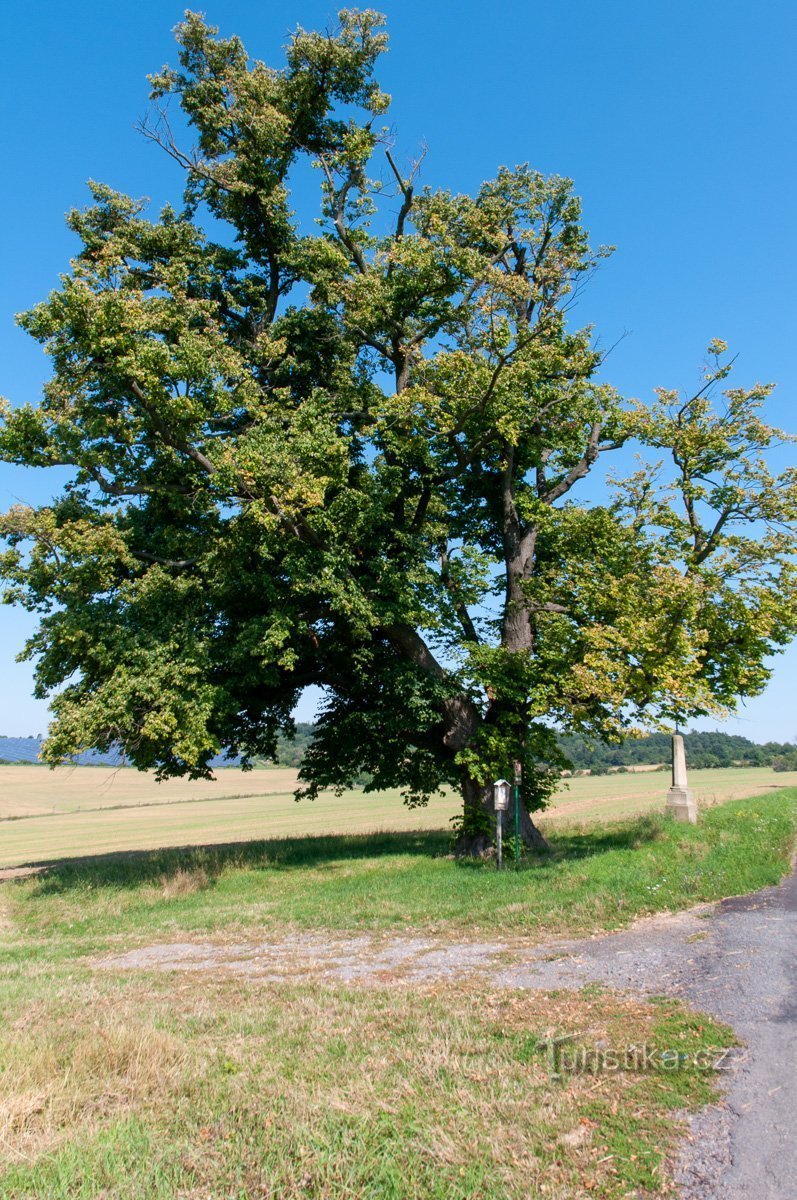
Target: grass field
x=328, y=1094
x=153, y=1085
x=86, y=810
x=147, y=1084
x=596, y=876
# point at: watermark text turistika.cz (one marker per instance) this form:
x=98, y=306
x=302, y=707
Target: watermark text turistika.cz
x=565, y=1058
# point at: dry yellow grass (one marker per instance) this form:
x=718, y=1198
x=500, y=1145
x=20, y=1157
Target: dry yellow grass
x=607, y=796
x=313, y=1091
x=30, y=790
x=91, y=810
x=88, y=810
x=60, y=1075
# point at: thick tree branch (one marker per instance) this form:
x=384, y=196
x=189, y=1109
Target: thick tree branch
x=461, y=717
x=458, y=604
x=582, y=467
x=295, y=524
x=710, y=541
x=111, y=488
x=184, y=447
x=412, y=646
x=511, y=521
x=421, y=508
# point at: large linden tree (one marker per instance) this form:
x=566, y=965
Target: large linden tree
x=352, y=453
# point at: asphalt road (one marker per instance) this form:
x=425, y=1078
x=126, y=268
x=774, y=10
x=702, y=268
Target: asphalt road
x=748, y=1148
x=738, y=961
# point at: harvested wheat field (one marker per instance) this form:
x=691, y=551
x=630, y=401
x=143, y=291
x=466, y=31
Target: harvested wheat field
x=70, y=811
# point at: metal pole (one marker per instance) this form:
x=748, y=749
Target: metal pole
x=500, y=818
x=518, y=776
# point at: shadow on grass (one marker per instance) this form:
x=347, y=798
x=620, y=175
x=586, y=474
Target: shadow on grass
x=131, y=868
x=628, y=834
x=586, y=841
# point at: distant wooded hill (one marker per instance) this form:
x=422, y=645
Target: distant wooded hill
x=702, y=750
x=19, y=750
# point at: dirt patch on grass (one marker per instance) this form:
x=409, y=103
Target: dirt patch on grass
x=361, y=959
x=419, y=958
x=8, y=873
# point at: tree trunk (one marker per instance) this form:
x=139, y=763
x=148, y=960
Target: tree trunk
x=530, y=835
x=478, y=834
x=478, y=803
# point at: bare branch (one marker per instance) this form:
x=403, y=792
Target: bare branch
x=407, y=192
x=458, y=604
x=338, y=196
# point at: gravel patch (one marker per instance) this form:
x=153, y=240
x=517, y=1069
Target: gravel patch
x=361, y=959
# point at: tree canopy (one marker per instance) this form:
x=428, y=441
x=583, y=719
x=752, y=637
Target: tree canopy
x=349, y=455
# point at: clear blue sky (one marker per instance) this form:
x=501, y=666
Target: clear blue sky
x=676, y=119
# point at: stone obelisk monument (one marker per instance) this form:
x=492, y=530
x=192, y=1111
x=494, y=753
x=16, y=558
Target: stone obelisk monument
x=680, y=799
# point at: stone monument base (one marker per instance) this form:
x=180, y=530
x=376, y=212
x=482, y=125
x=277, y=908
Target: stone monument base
x=682, y=804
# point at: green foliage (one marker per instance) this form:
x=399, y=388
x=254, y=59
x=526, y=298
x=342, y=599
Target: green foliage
x=472, y=825
x=291, y=750
x=345, y=455
x=703, y=750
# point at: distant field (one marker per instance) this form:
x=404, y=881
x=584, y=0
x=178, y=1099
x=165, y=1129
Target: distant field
x=88, y=810
x=607, y=796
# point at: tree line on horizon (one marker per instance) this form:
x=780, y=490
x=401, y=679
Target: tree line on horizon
x=703, y=750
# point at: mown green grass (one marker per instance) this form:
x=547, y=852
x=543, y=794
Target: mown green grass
x=206, y=1089
x=596, y=877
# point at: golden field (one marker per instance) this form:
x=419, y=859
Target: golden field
x=47, y=814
